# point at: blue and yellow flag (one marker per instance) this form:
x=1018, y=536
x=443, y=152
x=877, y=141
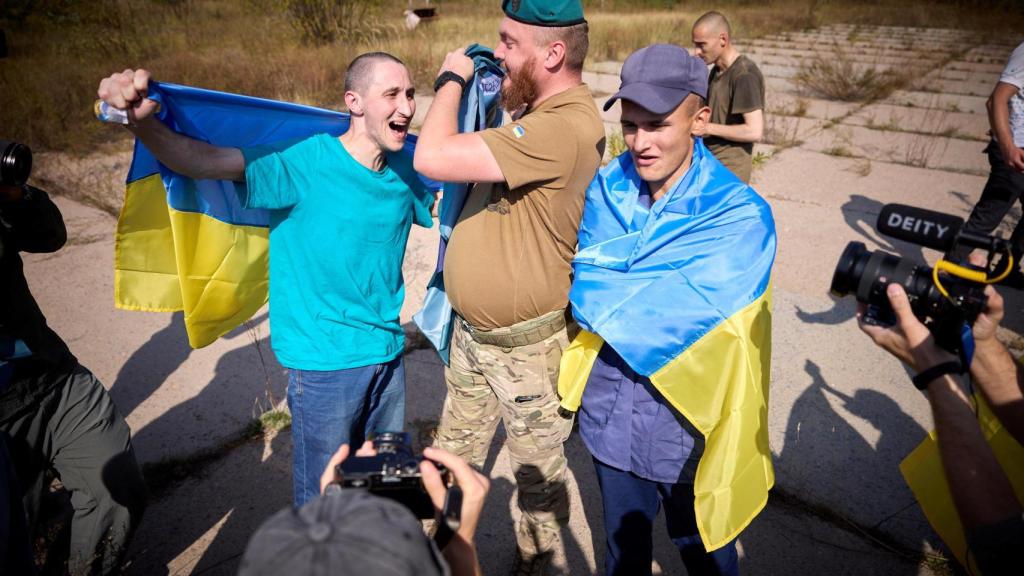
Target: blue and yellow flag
x=922, y=470
x=681, y=292
x=185, y=244
x=479, y=109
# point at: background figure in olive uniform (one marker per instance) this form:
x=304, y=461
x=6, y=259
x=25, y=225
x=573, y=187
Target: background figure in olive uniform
x=735, y=95
x=507, y=267
x=54, y=414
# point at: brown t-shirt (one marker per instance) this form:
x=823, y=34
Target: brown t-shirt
x=508, y=259
x=731, y=94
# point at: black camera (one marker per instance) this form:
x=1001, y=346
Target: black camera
x=944, y=297
x=15, y=163
x=393, y=473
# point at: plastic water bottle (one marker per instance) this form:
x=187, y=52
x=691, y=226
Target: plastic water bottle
x=107, y=113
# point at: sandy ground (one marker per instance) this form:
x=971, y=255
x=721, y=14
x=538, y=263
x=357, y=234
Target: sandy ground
x=842, y=413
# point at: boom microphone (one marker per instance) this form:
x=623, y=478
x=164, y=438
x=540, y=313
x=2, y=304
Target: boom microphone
x=923, y=227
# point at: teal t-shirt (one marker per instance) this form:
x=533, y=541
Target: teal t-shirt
x=338, y=232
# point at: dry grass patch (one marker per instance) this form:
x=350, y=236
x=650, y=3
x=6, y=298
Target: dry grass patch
x=836, y=76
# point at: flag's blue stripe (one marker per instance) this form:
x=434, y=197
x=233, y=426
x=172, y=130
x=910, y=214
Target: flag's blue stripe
x=230, y=120
x=678, y=269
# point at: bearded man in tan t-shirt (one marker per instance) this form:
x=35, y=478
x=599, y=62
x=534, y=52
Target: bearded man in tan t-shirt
x=507, y=266
x=735, y=95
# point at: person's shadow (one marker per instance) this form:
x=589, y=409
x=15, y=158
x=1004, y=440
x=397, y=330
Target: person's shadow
x=861, y=214
x=229, y=491
x=830, y=464
x=150, y=365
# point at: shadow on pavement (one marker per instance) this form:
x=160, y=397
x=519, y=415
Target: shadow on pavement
x=831, y=464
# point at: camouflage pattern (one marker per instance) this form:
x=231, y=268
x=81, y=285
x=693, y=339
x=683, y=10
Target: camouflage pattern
x=484, y=382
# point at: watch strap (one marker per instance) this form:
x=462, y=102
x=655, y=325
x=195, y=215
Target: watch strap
x=449, y=76
x=925, y=377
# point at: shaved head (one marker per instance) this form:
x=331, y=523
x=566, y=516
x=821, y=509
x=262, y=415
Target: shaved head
x=359, y=75
x=714, y=22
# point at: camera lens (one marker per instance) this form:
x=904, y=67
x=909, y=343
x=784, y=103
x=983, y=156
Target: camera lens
x=15, y=163
x=849, y=269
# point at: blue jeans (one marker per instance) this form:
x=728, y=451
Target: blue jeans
x=331, y=408
x=630, y=505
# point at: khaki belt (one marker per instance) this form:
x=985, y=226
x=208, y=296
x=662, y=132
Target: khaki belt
x=521, y=334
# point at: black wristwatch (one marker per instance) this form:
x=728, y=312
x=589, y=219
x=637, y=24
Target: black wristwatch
x=926, y=377
x=449, y=76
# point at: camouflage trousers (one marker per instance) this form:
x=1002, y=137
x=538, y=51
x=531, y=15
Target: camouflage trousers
x=517, y=384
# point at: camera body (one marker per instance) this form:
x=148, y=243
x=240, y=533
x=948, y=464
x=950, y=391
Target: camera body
x=945, y=305
x=393, y=473
x=15, y=163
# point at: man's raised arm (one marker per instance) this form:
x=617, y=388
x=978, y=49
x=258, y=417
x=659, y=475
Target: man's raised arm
x=442, y=153
x=198, y=160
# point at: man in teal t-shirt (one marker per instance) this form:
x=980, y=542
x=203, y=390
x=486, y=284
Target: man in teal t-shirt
x=341, y=209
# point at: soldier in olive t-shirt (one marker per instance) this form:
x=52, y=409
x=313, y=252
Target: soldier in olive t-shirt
x=509, y=257
x=732, y=93
x=735, y=95
x=507, y=264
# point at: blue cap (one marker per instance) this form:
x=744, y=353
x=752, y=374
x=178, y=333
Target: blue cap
x=659, y=77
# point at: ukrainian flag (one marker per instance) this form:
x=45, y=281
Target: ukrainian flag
x=185, y=244
x=682, y=292
x=922, y=470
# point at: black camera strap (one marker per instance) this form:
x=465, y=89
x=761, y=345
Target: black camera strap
x=451, y=517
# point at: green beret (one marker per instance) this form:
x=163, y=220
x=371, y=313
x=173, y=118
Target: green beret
x=544, y=12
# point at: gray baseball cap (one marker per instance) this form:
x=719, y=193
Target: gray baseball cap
x=660, y=76
x=343, y=532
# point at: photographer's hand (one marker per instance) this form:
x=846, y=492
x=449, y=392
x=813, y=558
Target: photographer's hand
x=328, y=475
x=909, y=340
x=461, y=551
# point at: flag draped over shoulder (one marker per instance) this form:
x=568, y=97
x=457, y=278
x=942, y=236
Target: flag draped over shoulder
x=681, y=291
x=185, y=244
x=922, y=470
x=480, y=109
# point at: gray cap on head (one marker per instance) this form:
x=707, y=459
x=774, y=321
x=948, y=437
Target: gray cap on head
x=350, y=532
x=659, y=77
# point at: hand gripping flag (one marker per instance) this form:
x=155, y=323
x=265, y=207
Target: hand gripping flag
x=479, y=109
x=185, y=244
x=681, y=291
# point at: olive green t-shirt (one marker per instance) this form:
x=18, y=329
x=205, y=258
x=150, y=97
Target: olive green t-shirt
x=731, y=94
x=509, y=256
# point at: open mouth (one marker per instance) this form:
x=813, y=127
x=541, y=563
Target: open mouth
x=399, y=128
x=645, y=160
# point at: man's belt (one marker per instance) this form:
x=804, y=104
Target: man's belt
x=521, y=334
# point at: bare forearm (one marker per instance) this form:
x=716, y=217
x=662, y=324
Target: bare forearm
x=980, y=489
x=462, y=558
x=735, y=132
x=440, y=124
x=188, y=156
x=999, y=379
x=998, y=106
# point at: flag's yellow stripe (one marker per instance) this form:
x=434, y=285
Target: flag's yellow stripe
x=169, y=260
x=145, y=268
x=720, y=384
x=923, y=472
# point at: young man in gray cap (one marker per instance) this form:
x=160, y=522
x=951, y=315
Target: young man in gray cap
x=671, y=248
x=735, y=94
x=507, y=264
